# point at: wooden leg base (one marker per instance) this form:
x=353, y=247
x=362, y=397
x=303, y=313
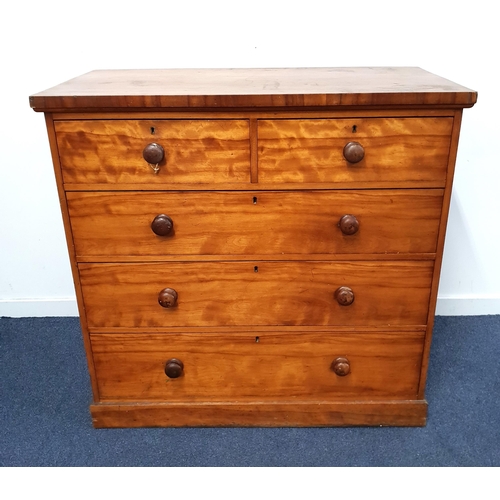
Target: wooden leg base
x=310, y=414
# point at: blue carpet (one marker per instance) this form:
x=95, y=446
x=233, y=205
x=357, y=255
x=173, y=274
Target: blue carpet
x=45, y=393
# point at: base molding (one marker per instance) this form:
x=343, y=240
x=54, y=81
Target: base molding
x=38, y=308
x=473, y=305
x=293, y=414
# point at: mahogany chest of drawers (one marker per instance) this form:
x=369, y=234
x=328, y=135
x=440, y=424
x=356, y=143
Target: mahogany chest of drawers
x=256, y=247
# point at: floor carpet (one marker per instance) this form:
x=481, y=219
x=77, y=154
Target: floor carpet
x=45, y=393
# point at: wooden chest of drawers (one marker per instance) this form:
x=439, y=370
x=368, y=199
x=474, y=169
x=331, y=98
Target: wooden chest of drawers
x=256, y=247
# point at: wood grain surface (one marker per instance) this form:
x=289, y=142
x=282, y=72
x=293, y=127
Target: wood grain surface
x=256, y=293
x=258, y=414
x=266, y=87
x=396, y=149
x=270, y=367
x=111, y=151
x=118, y=224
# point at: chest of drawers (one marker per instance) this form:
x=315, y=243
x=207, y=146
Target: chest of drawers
x=256, y=247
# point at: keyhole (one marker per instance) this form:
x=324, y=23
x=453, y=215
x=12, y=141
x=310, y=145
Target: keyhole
x=153, y=131
x=255, y=200
x=256, y=269
x=257, y=339
x=354, y=129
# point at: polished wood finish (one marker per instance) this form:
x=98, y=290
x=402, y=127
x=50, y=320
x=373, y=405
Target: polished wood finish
x=235, y=88
x=167, y=298
x=162, y=225
x=341, y=366
x=258, y=414
x=308, y=151
x=353, y=152
x=344, y=295
x=130, y=367
x=279, y=293
x=349, y=224
x=196, y=151
x=174, y=368
x=153, y=153
x=256, y=247
x=117, y=225
x=244, y=186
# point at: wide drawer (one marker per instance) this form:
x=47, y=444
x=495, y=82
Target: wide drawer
x=396, y=150
x=122, y=224
x=257, y=367
x=256, y=293
x=195, y=151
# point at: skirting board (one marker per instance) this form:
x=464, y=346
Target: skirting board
x=39, y=308
x=468, y=305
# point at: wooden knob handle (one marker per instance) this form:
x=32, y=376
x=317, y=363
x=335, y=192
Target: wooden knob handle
x=153, y=153
x=341, y=367
x=349, y=224
x=167, y=298
x=354, y=152
x=162, y=225
x=174, y=368
x=344, y=296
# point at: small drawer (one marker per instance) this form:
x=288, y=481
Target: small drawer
x=266, y=367
x=127, y=151
x=389, y=151
x=202, y=294
x=132, y=225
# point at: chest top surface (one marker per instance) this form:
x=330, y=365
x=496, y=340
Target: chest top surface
x=253, y=88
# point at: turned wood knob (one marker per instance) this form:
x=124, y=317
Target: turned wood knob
x=341, y=367
x=344, y=296
x=174, y=368
x=167, y=298
x=354, y=152
x=162, y=225
x=153, y=153
x=349, y=224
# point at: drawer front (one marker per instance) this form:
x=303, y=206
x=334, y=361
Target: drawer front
x=254, y=223
x=266, y=367
x=396, y=150
x=256, y=293
x=195, y=151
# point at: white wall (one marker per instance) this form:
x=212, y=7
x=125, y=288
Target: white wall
x=45, y=43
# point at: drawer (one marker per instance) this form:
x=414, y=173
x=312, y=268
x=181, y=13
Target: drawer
x=120, y=224
x=263, y=367
x=396, y=150
x=195, y=151
x=256, y=293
